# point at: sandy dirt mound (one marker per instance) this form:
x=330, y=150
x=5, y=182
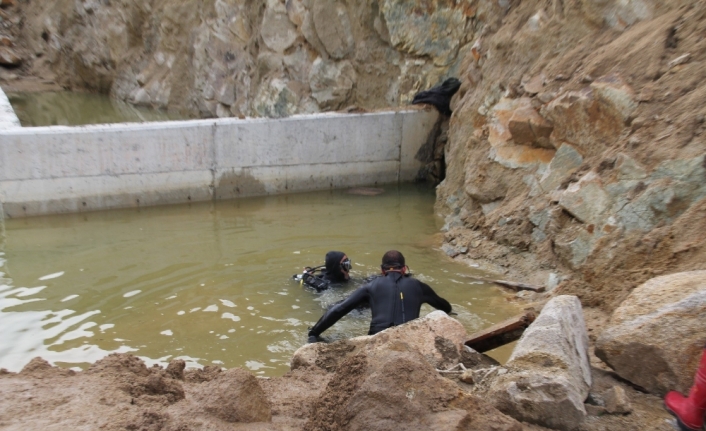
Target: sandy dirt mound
x=117, y=393
x=394, y=388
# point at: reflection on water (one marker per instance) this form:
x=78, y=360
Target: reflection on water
x=211, y=283
x=65, y=108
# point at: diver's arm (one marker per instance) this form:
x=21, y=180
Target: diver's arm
x=436, y=301
x=336, y=312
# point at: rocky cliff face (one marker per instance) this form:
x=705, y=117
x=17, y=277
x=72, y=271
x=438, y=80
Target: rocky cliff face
x=576, y=149
x=252, y=57
x=575, y=153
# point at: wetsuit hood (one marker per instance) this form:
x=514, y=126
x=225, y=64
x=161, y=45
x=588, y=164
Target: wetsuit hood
x=333, y=266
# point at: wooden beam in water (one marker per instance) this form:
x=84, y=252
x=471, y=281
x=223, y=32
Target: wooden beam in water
x=501, y=333
x=512, y=284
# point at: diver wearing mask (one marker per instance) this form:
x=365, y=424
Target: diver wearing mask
x=395, y=298
x=335, y=270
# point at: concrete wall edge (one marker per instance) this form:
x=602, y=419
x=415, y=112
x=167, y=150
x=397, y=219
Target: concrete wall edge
x=59, y=169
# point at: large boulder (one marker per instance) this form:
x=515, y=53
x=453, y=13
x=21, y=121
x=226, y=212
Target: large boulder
x=394, y=388
x=655, y=337
x=548, y=375
x=565, y=162
x=277, y=98
x=438, y=337
x=434, y=29
x=278, y=33
x=332, y=84
x=587, y=199
x=512, y=123
x=333, y=27
x=597, y=113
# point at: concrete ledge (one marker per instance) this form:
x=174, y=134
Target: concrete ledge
x=45, y=170
x=8, y=118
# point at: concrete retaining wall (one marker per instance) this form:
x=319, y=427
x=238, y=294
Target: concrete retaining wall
x=45, y=170
x=8, y=118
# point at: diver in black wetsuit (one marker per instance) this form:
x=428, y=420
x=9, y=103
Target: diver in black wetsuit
x=338, y=267
x=336, y=270
x=394, y=298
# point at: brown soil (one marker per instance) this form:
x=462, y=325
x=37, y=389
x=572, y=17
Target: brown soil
x=392, y=389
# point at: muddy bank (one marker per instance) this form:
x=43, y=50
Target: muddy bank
x=391, y=381
x=120, y=393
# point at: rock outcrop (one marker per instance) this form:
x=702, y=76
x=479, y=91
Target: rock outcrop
x=655, y=337
x=231, y=58
x=548, y=377
x=394, y=388
x=582, y=168
x=436, y=336
x=384, y=382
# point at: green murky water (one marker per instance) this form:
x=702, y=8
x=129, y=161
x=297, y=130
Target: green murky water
x=66, y=108
x=211, y=283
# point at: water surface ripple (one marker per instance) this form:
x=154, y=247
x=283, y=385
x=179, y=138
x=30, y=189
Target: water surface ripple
x=211, y=283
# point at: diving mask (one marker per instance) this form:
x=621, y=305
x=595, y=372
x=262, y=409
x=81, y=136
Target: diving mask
x=346, y=264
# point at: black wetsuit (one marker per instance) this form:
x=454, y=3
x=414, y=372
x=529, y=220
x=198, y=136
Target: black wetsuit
x=439, y=96
x=394, y=299
x=332, y=274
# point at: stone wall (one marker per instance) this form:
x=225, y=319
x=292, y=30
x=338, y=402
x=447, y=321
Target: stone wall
x=274, y=58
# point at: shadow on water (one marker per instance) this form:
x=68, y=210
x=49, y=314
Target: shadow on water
x=67, y=108
x=211, y=283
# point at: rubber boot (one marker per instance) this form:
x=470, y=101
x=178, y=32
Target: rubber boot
x=690, y=410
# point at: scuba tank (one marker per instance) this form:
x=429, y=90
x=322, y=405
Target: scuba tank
x=308, y=277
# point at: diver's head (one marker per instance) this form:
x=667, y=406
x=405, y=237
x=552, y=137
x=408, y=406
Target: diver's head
x=338, y=265
x=393, y=261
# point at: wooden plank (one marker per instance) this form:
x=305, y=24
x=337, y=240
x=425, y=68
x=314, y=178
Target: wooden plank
x=511, y=284
x=501, y=333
